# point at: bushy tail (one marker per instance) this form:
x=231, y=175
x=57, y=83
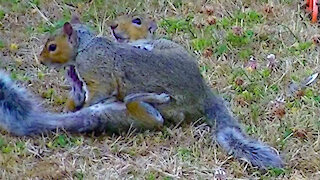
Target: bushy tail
x=230, y=136
x=21, y=115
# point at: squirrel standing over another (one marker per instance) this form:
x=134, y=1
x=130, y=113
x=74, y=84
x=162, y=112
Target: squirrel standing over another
x=59, y=50
x=118, y=70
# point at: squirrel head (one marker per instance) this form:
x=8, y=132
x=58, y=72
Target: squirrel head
x=61, y=47
x=128, y=28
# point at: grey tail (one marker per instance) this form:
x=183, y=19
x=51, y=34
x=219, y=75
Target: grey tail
x=232, y=139
x=21, y=115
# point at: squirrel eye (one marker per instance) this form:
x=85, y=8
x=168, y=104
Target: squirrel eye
x=52, y=47
x=136, y=21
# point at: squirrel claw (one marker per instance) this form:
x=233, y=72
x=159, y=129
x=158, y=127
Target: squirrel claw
x=147, y=47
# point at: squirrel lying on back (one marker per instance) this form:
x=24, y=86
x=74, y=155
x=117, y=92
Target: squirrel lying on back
x=113, y=70
x=133, y=29
x=138, y=31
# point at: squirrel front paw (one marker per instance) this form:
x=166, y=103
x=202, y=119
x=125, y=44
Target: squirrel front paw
x=153, y=98
x=163, y=98
x=147, y=47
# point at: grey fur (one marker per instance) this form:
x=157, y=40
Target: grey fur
x=231, y=137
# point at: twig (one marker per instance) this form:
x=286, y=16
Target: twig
x=296, y=37
x=164, y=173
x=35, y=56
x=41, y=14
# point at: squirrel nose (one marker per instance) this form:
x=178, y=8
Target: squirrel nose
x=113, y=26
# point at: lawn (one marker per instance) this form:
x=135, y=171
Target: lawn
x=256, y=54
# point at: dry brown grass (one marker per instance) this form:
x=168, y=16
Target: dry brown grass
x=177, y=152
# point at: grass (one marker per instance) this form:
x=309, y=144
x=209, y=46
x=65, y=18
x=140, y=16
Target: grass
x=223, y=36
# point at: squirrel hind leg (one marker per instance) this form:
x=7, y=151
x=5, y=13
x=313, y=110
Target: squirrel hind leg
x=139, y=106
x=145, y=114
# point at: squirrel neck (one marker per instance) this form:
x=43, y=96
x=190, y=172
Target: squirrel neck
x=85, y=36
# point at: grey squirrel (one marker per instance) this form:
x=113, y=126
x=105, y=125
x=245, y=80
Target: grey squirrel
x=107, y=67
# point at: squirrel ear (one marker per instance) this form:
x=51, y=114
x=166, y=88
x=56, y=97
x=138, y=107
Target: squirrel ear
x=67, y=29
x=75, y=19
x=152, y=26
